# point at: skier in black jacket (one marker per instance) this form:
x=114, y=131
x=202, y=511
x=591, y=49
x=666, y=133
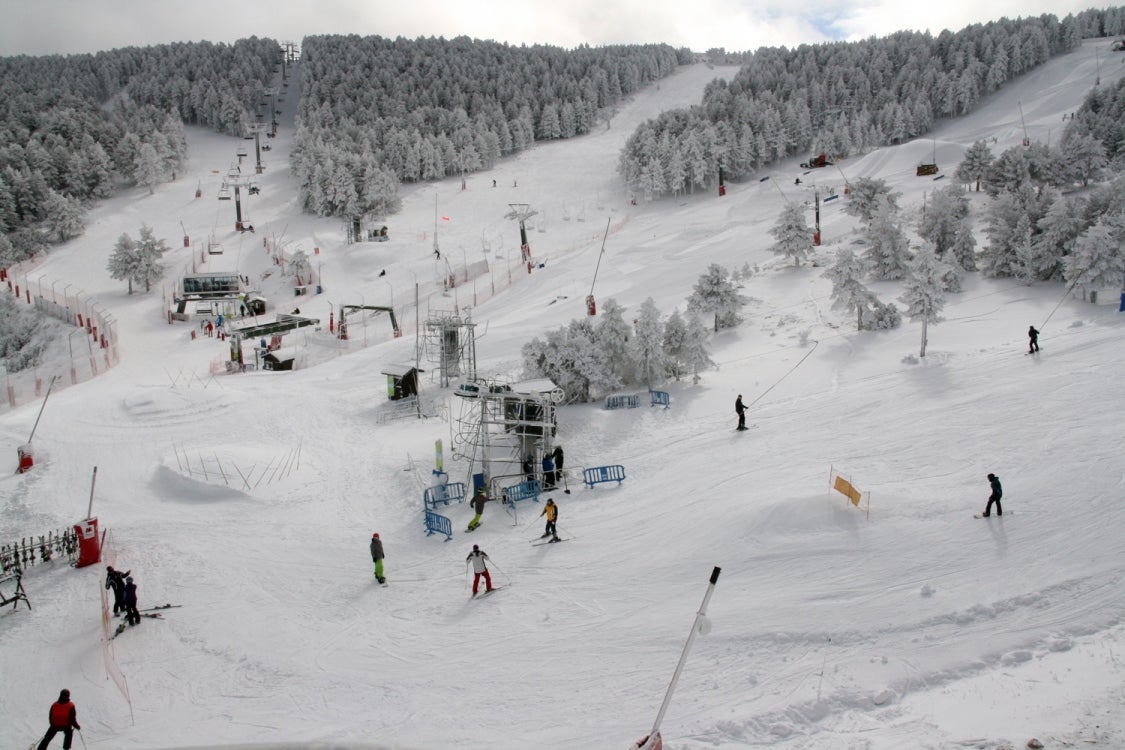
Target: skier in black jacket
x=115, y=580
x=1032, y=339
x=997, y=493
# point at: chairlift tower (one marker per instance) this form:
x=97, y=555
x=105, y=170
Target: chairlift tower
x=236, y=180
x=450, y=342
x=521, y=212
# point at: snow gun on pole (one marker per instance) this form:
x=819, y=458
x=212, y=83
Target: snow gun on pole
x=701, y=625
x=591, y=303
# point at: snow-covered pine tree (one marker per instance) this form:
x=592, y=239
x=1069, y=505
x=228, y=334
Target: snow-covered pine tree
x=793, y=234
x=647, y=345
x=1058, y=230
x=888, y=250
x=148, y=167
x=946, y=213
x=975, y=165
x=65, y=217
x=848, y=291
x=673, y=345
x=124, y=260
x=998, y=259
x=924, y=290
x=715, y=295
x=1084, y=157
x=696, y=357
x=1010, y=172
x=149, y=252
x=1098, y=259
x=865, y=195
x=612, y=334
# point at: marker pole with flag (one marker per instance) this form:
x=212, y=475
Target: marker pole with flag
x=701, y=625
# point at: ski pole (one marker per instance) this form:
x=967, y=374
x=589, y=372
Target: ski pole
x=566, y=487
x=82, y=738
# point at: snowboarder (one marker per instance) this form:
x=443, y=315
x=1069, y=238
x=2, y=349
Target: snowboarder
x=132, y=616
x=552, y=512
x=479, y=500
x=64, y=718
x=478, y=557
x=997, y=493
x=1032, y=339
x=548, y=472
x=115, y=581
x=377, y=557
x=740, y=410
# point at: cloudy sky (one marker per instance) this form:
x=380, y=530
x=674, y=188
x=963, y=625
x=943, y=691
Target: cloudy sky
x=38, y=27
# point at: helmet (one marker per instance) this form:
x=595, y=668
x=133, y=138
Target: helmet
x=375, y=535
x=476, y=548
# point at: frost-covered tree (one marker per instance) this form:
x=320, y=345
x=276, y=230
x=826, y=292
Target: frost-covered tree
x=1057, y=231
x=647, y=345
x=1084, y=158
x=674, y=345
x=149, y=253
x=716, y=296
x=300, y=267
x=1098, y=259
x=65, y=217
x=866, y=195
x=975, y=165
x=848, y=291
x=1010, y=172
x=945, y=223
x=888, y=250
x=793, y=234
x=612, y=334
x=1009, y=216
x=148, y=168
x=924, y=290
x=124, y=260
x=695, y=355
x=571, y=358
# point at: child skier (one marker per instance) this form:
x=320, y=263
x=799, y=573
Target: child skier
x=64, y=718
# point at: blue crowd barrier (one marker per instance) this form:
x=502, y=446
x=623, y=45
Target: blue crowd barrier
x=628, y=401
x=661, y=398
x=528, y=490
x=438, y=524
x=600, y=474
x=443, y=493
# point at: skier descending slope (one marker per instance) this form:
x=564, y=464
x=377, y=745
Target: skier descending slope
x=480, y=568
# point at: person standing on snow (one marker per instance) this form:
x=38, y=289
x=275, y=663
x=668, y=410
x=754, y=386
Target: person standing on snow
x=64, y=718
x=377, y=557
x=478, y=557
x=132, y=616
x=479, y=500
x=115, y=580
x=997, y=493
x=1032, y=339
x=740, y=410
x=548, y=472
x=552, y=512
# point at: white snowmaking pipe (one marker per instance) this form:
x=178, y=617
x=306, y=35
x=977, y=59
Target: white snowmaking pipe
x=696, y=627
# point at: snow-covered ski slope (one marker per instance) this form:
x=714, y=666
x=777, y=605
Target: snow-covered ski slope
x=916, y=627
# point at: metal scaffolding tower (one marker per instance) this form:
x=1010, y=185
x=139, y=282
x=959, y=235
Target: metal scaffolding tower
x=505, y=430
x=450, y=342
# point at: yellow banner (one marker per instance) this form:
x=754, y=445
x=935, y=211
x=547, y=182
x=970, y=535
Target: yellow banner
x=845, y=488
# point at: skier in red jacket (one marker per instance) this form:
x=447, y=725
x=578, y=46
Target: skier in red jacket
x=64, y=718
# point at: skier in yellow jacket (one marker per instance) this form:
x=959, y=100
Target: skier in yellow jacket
x=552, y=512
